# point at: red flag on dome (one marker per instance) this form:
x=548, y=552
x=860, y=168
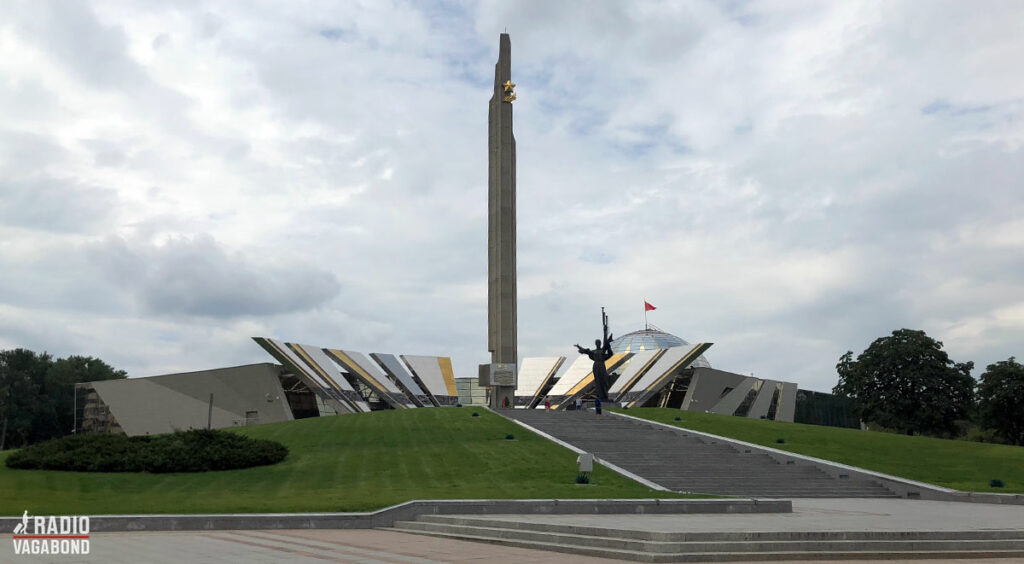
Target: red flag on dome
x=648, y=307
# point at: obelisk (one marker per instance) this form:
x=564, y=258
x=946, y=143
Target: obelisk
x=501, y=234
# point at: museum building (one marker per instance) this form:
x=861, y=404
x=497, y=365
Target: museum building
x=649, y=368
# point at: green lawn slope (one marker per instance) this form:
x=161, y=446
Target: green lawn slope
x=346, y=463
x=961, y=465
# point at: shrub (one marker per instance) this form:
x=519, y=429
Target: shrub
x=475, y=414
x=678, y=418
x=188, y=451
x=583, y=478
x=997, y=483
x=780, y=441
x=981, y=435
x=509, y=437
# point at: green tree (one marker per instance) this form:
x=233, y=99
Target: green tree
x=21, y=372
x=907, y=382
x=55, y=416
x=1001, y=400
x=37, y=394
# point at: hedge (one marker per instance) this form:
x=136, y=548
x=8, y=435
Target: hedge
x=187, y=451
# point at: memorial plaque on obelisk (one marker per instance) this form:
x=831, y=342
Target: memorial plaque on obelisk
x=501, y=233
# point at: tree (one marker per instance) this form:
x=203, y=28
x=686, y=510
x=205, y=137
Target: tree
x=21, y=372
x=1001, y=400
x=37, y=394
x=60, y=388
x=907, y=382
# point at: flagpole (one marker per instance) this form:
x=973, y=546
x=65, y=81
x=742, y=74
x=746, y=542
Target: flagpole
x=646, y=326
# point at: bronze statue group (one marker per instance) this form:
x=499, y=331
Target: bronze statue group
x=600, y=354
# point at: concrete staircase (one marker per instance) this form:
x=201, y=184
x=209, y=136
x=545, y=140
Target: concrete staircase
x=647, y=546
x=690, y=463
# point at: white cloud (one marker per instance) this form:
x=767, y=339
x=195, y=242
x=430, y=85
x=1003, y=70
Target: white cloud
x=787, y=180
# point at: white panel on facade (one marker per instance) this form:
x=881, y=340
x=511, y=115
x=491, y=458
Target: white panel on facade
x=354, y=363
x=373, y=370
x=322, y=361
x=299, y=363
x=663, y=365
x=534, y=372
x=333, y=399
x=578, y=370
x=395, y=368
x=428, y=370
x=632, y=366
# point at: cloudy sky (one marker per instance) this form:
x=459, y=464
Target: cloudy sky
x=787, y=180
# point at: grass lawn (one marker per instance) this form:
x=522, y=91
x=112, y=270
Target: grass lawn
x=962, y=465
x=345, y=463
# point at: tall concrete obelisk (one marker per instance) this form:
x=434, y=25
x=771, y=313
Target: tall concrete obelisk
x=501, y=234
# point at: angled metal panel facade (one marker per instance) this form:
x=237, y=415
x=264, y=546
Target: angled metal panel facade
x=610, y=365
x=315, y=358
x=371, y=376
x=707, y=388
x=428, y=370
x=401, y=376
x=691, y=391
x=327, y=394
x=787, y=403
x=633, y=370
x=728, y=404
x=534, y=375
x=666, y=367
x=448, y=375
x=763, y=401
x=576, y=372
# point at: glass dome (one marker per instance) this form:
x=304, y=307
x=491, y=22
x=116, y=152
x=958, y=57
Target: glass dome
x=650, y=339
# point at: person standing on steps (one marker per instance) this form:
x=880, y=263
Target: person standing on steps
x=597, y=405
x=579, y=404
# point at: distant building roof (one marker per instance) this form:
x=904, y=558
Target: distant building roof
x=650, y=339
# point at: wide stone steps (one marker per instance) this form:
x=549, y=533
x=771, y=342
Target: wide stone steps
x=681, y=461
x=648, y=546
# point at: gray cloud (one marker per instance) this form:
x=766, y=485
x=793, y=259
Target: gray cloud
x=788, y=181
x=196, y=277
x=50, y=204
x=93, y=52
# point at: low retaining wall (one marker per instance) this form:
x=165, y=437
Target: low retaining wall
x=410, y=510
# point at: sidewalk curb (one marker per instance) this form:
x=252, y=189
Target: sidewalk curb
x=410, y=510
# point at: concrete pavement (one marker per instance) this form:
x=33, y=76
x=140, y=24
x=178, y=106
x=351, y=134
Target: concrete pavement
x=376, y=546
x=815, y=515
x=361, y=546
x=322, y=546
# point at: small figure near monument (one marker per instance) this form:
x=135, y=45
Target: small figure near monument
x=600, y=354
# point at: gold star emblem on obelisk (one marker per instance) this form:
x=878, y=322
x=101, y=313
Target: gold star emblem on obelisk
x=510, y=89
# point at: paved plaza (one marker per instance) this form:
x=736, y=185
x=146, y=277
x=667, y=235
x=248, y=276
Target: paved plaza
x=379, y=546
x=816, y=515
x=356, y=546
